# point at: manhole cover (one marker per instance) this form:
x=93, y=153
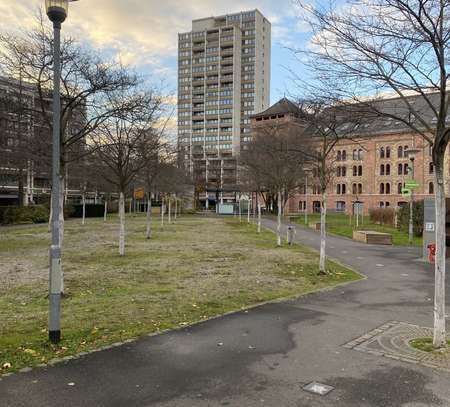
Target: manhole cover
x=318, y=388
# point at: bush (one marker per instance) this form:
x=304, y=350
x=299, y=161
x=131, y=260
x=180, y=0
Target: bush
x=403, y=218
x=27, y=214
x=383, y=216
x=92, y=210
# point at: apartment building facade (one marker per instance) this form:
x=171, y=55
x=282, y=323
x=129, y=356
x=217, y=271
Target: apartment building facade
x=370, y=169
x=223, y=79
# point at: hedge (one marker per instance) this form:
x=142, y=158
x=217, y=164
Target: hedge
x=25, y=214
x=403, y=218
x=383, y=216
x=92, y=211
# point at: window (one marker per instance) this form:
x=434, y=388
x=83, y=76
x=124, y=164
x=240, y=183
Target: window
x=400, y=152
x=355, y=154
x=338, y=189
x=430, y=168
x=339, y=156
x=343, y=189
x=386, y=204
x=405, y=169
x=338, y=172
x=388, y=169
x=388, y=188
x=400, y=169
x=382, y=169
x=381, y=188
x=344, y=155
x=359, y=170
x=302, y=206
x=344, y=171
x=431, y=188
x=340, y=206
x=388, y=152
x=360, y=190
x=355, y=171
x=399, y=188
x=354, y=189
x=360, y=154
x=382, y=152
x=381, y=204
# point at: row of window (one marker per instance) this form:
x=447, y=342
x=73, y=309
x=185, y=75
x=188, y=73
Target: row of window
x=341, y=155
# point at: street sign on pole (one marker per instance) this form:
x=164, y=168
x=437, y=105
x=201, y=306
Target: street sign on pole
x=412, y=184
x=406, y=192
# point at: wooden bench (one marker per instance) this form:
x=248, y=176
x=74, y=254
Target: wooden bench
x=372, y=237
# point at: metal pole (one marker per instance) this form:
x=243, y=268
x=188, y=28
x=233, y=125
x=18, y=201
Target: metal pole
x=411, y=206
x=54, y=328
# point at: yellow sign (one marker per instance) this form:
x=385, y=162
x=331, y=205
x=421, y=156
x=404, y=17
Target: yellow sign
x=139, y=193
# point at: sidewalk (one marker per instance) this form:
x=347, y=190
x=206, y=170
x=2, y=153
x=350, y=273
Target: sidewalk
x=265, y=356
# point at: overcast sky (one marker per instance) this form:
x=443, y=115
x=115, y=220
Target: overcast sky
x=143, y=33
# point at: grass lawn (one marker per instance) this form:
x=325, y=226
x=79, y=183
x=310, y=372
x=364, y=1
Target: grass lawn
x=191, y=270
x=339, y=224
x=425, y=344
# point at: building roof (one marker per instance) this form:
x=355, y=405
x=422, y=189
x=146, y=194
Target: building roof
x=283, y=106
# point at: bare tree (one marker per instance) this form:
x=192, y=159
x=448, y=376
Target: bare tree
x=125, y=143
x=370, y=47
x=273, y=166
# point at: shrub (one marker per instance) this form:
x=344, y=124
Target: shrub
x=383, y=216
x=403, y=218
x=27, y=214
x=92, y=211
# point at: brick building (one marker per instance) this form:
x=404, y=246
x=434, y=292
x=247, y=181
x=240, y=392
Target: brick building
x=371, y=169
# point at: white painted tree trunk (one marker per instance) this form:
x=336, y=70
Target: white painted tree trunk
x=248, y=211
x=105, y=213
x=122, y=224
x=50, y=216
x=83, y=221
x=176, y=208
x=323, y=235
x=240, y=211
x=259, y=218
x=162, y=212
x=439, y=338
x=149, y=217
x=279, y=220
x=131, y=206
x=170, y=210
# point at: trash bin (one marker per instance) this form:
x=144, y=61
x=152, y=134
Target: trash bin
x=431, y=252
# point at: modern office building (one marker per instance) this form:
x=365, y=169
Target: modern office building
x=223, y=79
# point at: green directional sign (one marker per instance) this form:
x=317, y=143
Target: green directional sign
x=406, y=192
x=413, y=184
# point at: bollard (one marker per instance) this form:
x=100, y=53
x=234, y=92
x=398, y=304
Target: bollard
x=290, y=234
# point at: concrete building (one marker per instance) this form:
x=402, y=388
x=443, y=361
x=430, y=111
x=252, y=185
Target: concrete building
x=223, y=79
x=371, y=168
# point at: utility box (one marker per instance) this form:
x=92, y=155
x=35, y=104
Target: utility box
x=429, y=226
x=225, y=209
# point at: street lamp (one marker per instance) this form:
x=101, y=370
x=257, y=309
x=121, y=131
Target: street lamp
x=57, y=13
x=411, y=154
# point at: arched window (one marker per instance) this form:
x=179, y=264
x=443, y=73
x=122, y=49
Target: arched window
x=355, y=171
x=431, y=188
x=343, y=189
x=354, y=189
x=405, y=149
x=339, y=156
x=388, y=188
x=430, y=168
x=399, y=188
x=387, y=204
x=400, y=152
x=338, y=189
x=381, y=188
x=359, y=188
x=400, y=169
x=381, y=204
x=355, y=154
x=388, y=169
x=360, y=154
x=344, y=171
x=388, y=152
x=338, y=171
x=405, y=169
x=382, y=152
x=360, y=171
x=382, y=169
x=344, y=155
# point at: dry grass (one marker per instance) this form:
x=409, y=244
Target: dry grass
x=191, y=270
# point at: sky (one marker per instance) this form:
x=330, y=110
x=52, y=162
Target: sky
x=143, y=33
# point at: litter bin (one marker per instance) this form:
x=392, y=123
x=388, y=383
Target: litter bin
x=431, y=252
x=290, y=234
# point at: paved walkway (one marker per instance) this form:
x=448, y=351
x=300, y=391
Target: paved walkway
x=267, y=354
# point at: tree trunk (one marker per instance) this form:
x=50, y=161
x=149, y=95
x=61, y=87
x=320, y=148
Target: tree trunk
x=323, y=234
x=105, y=213
x=21, y=193
x=176, y=208
x=149, y=217
x=162, y=212
x=50, y=215
x=259, y=218
x=279, y=220
x=248, y=211
x=240, y=210
x=83, y=221
x=439, y=338
x=170, y=209
x=122, y=224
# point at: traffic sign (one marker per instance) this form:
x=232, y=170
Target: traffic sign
x=412, y=184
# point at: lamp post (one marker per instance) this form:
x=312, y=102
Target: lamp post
x=306, y=195
x=57, y=13
x=411, y=154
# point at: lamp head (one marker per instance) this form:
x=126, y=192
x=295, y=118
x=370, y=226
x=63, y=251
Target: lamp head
x=411, y=153
x=57, y=10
